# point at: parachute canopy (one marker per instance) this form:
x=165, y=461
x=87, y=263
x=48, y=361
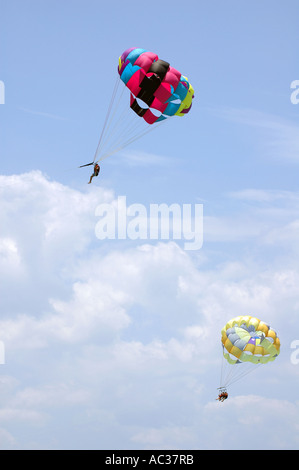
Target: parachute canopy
x=158, y=90
x=248, y=339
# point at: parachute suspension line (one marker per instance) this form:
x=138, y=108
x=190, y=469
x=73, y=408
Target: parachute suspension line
x=232, y=373
x=131, y=132
x=109, y=133
x=120, y=129
x=128, y=128
x=114, y=93
x=242, y=374
x=221, y=373
x=226, y=372
x=121, y=126
x=128, y=142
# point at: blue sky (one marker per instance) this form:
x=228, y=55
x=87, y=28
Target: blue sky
x=115, y=344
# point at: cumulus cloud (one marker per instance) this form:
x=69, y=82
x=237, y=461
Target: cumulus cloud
x=267, y=220
x=254, y=411
x=121, y=338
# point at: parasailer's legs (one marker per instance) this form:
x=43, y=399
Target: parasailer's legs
x=95, y=172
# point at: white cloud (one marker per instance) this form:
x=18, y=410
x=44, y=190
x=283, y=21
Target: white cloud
x=169, y=437
x=9, y=256
x=251, y=412
x=125, y=339
x=265, y=218
x=31, y=417
x=7, y=441
x=49, y=395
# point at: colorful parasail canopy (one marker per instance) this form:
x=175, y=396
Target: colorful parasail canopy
x=157, y=90
x=248, y=339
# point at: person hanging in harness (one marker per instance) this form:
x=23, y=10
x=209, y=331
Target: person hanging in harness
x=223, y=395
x=96, y=171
